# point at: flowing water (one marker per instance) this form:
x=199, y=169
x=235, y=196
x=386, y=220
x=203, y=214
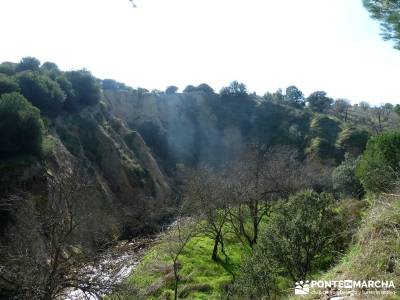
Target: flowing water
x=113, y=267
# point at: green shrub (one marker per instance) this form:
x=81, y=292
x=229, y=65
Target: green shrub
x=28, y=64
x=8, y=68
x=8, y=84
x=322, y=149
x=345, y=181
x=379, y=166
x=42, y=92
x=189, y=89
x=258, y=279
x=71, y=100
x=171, y=90
x=353, y=140
x=303, y=237
x=86, y=87
x=236, y=105
x=21, y=129
x=48, y=146
x=294, y=97
x=205, y=88
x=50, y=67
x=325, y=128
x=319, y=102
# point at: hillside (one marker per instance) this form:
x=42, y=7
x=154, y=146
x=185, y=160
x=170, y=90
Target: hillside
x=373, y=254
x=119, y=164
x=204, y=127
x=87, y=163
x=376, y=248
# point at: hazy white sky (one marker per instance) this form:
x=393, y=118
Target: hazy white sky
x=329, y=45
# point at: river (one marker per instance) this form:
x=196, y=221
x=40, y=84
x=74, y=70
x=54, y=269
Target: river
x=117, y=263
x=114, y=266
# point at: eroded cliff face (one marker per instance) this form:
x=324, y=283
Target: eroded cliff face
x=114, y=152
x=129, y=146
x=129, y=191
x=120, y=164
x=179, y=128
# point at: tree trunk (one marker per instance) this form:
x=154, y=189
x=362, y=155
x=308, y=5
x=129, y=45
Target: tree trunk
x=176, y=281
x=253, y=207
x=215, y=250
x=255, y=228
x=221, y=241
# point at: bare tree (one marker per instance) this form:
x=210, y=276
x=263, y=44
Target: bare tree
x=249, y=194
x=379, y=116
x=263, y=176
x=243, y=194
x=183, y=230
x=341, y=108
x=208, y=194
x=43, y=255
x=378, y=119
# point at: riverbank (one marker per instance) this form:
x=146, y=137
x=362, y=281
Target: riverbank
x=200, y=276
x=114, y=266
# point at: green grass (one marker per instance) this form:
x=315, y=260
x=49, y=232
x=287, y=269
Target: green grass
x=377, y=240
x=48, y=146
x=202, y=278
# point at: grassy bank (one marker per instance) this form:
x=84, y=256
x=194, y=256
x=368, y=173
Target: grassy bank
x=201, y=277
x=375, y=252
x=373, y=255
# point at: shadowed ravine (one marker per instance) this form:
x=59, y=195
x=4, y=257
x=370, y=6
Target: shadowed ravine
x=117, y=263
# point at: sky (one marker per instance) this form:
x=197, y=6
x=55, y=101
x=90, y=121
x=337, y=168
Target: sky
x=329, y=45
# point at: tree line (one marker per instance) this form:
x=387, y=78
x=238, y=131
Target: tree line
x=31, y=93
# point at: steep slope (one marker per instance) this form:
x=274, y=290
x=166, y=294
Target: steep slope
x=128, y=183
x=204, y=127
x=374, y=254
x=179, y=128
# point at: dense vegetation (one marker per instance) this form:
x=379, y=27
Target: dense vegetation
x=258, y=233
x=301, y=173
x=262, y=191
x=379, y=167
x=267, y=190
x=28, y=90
x=21, y=128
